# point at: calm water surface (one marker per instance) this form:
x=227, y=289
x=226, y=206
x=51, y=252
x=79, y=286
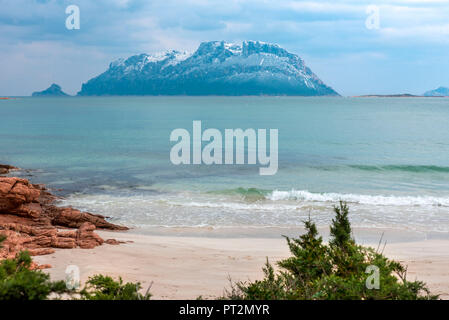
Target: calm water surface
x=389, y=158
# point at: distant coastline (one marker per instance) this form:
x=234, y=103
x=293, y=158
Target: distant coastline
x=403, y=95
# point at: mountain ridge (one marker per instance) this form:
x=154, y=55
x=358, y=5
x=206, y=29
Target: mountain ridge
x=215, y=68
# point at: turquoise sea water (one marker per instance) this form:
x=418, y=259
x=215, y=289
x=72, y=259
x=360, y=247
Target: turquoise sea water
x=389, y=158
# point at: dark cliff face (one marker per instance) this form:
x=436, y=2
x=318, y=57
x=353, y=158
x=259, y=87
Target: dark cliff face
x=215, y=68
x=53, y=91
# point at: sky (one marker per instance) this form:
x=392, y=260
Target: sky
x=407, y=51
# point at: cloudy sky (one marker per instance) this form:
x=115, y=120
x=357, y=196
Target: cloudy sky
x=407, y=53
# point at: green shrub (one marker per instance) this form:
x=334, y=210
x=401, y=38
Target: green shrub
x=335, y=271
x=18, y=282
x=101, y=287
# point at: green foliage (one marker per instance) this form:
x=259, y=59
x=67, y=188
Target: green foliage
x=341, y=228
x=336, y=271
x=101, y=287
x=18, y=282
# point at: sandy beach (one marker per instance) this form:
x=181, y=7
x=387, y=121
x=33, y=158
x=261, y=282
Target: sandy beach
x=189, y=267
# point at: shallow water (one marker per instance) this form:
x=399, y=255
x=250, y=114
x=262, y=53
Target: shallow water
x=389, y=158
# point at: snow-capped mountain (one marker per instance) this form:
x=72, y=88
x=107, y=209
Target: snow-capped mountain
x=439, y=92
x=215, y=68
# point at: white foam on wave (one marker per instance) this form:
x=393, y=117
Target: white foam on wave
x=279, y=209
x=377, y=200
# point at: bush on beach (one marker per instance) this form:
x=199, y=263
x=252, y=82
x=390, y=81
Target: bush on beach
x=336, y=271
x=19, y=282
x=100, y=287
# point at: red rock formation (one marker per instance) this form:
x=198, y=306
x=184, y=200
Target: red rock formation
x=31, y=222
x=113, y=242
x=4, y=168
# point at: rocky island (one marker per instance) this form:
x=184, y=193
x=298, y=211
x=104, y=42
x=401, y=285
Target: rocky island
x=53, y=91
x=215, y=68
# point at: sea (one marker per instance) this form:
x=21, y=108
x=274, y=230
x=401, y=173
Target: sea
x=388, y=158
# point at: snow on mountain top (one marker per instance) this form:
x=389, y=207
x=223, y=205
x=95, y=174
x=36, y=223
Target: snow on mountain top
x=215, y=67
x=173, y=57
x=116, y=63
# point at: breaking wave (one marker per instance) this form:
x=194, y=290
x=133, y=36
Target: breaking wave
x=378, y=200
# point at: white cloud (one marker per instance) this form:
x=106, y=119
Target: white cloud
x=119, y=28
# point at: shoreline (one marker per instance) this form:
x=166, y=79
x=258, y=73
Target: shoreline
x=363, y=235
x=185, y=263
x=189, y=267
x=29, y=221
